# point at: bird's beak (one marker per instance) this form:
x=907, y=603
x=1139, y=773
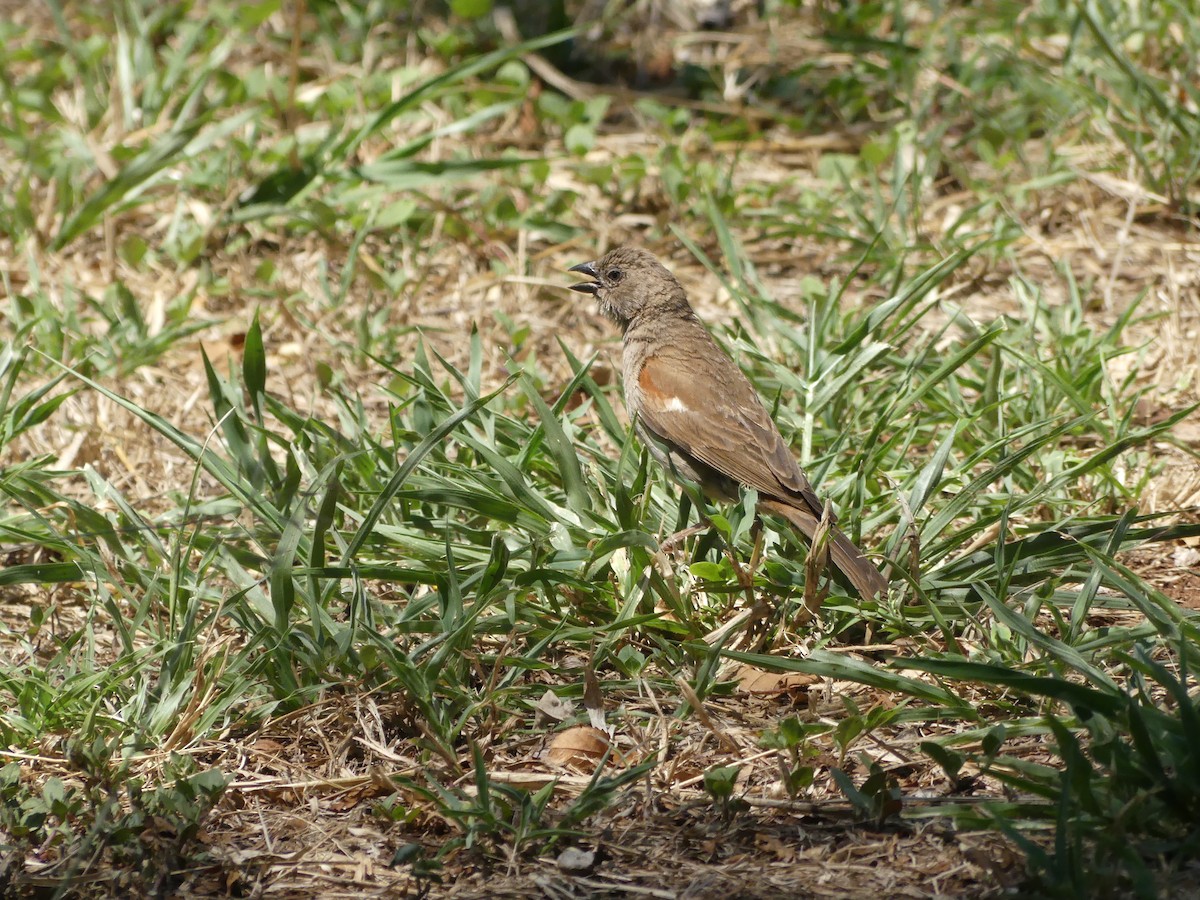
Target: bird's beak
x=588, y=269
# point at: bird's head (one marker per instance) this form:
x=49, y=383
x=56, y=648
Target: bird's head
x=628, y=283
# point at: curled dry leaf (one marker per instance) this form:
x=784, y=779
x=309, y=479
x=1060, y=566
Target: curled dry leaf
x=754, y=680
x=581, y=747
x=593, y=697
x=553, y=708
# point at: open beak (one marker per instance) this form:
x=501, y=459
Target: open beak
x=586, y=287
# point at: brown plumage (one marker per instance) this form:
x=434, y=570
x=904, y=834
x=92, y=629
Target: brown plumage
x=695, y=410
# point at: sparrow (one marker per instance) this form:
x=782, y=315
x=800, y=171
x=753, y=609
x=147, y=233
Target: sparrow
x=696, y=411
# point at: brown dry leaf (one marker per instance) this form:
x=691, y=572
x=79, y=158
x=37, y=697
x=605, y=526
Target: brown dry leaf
x=754, y=680
x=581, y=747
x=349, y=799
x=1188, y=432
x=781, y=850
x=593, y=697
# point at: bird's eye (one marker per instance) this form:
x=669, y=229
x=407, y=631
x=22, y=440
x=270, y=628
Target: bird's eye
x=614, y=275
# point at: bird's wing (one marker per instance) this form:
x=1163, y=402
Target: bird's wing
x=704, y=405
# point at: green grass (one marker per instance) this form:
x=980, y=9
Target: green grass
x=452, y=520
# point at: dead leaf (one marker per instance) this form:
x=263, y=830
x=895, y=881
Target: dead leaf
x=760, y=682
x=353, y=797
x=1187, y=432
x=770, y=843
x=593, y=697
x=581, y=747
x=553, y=708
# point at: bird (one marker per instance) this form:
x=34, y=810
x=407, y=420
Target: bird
x=697, y=412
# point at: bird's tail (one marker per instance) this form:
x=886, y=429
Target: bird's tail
x=851, y=562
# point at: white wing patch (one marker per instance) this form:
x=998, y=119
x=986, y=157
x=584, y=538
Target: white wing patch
x=674, y=404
